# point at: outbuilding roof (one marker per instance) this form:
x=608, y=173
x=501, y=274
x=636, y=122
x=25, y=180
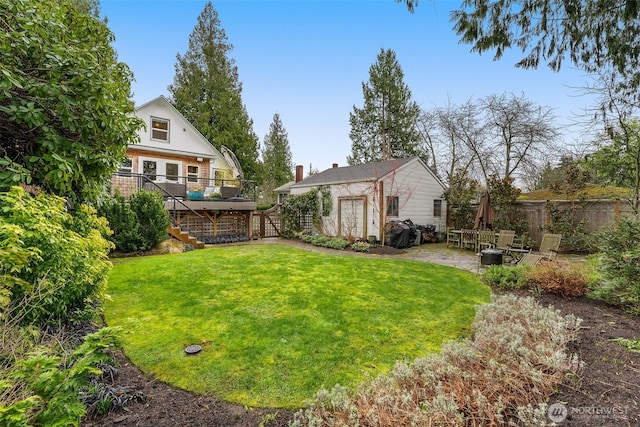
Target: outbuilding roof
x=355, y=173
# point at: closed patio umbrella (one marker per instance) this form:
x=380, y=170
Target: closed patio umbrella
x=485, y=215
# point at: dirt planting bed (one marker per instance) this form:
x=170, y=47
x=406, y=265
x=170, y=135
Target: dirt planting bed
x=605, y=392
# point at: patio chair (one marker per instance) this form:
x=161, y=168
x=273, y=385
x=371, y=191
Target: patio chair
x=520, y=241
x=453, y=237
x=486, y=239
x=548, y=250
x=505, y=242
x=469, y=239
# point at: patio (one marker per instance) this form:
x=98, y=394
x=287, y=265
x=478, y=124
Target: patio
x=436, y=253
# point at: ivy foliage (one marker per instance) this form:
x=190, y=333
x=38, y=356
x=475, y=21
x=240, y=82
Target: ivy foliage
x=503, y=197
x=302, y=210
x=65, y=114
x=53, y=258
x=462, y=191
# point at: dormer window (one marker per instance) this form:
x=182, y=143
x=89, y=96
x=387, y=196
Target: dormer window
x=159, y=129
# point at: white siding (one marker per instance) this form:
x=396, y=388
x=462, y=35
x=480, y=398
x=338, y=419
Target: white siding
x=184, y=139
x=415, y=187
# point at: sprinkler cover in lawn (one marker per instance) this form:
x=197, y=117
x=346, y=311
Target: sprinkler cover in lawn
x=193, y=349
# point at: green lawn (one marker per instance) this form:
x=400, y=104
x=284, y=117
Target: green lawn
x=278, y=323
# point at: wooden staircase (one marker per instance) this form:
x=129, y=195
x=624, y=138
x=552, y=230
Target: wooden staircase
x=183, y=236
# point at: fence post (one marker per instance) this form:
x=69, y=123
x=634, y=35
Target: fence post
x=547, y=215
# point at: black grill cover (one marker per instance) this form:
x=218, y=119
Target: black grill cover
x=400, y=234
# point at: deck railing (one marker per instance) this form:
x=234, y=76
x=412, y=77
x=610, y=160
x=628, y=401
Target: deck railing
x=176, y=190
x=184, y=187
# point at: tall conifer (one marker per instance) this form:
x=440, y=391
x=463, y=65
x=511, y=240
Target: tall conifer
x=207, y=91
x=386, y=127
x=276, y=155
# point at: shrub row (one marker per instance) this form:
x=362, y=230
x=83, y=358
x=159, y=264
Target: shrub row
x=360, y=246
x=504, y=375
x=551, y=277
x=324, y=241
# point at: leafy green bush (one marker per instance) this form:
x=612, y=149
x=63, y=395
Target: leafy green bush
x=570, y=223
x=620, y=265
x=337, y=243
x=152, y=217
x=138, y=224
x=66, y=115
x=56, y=259
x=360, y=246
x=123, y=222
x=44, y=389
x=506, y=277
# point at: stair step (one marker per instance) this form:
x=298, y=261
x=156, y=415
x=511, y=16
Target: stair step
x=184, y=236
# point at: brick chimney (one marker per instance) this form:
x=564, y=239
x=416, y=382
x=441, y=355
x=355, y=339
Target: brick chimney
x=299, y=173
x=335, y=165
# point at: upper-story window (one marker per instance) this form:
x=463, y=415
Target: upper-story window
x=159, y=129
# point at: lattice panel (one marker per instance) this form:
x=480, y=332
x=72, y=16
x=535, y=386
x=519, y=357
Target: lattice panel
x=231, y=224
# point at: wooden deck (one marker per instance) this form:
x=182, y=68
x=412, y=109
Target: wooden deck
x=223, y=205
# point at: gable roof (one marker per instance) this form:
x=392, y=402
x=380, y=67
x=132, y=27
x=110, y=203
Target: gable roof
x=204, y=147
x=284, y=188
x=359, y=173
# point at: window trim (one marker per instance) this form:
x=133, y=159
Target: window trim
x=437, y=212
x=153, y=129
x=193, y=176
x=393, y=206
x=173, y=177
x=126, y=170
x=151, y=176
x=161, y=168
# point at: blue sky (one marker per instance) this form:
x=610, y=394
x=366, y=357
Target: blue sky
x=307, y=59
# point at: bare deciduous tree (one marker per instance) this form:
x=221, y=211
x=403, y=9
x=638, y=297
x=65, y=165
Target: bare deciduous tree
x=522, y=134
x=501, y=135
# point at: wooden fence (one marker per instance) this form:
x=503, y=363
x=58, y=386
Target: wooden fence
x=594, y=214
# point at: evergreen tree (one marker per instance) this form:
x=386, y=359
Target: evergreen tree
x=386, y=127
x=276, y=156
x=66, y=118
x=207, y=91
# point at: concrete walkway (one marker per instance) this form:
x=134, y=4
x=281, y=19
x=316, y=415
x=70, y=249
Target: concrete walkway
x=436, y=253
